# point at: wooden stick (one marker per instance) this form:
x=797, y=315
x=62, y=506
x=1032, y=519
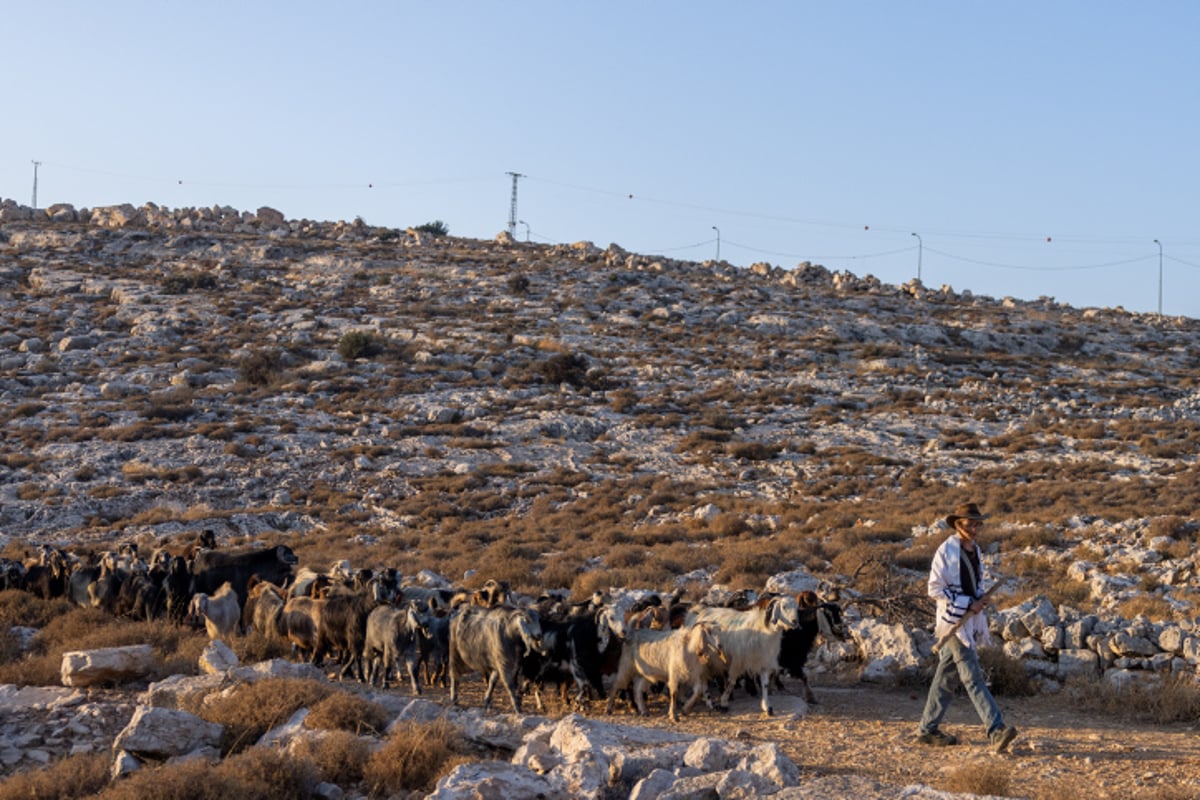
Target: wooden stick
x=963, y=620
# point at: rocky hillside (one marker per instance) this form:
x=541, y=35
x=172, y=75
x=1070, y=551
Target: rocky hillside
x=571, y=417
x=579, y=418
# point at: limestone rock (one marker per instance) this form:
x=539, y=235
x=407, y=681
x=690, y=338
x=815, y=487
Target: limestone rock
x=217, y=658
x=159, y=733
x=107, y=665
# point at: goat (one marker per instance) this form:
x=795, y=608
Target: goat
x=16, y=575
x=797, y=642
x=492, y=642
x=47, y=578
x=751, y=640
x=433, y=649
x=220, y=611
x=211, y=568
x=394, y=634
x=141, y=595
x=573, y=645
x=342, y=626
x=298, y=623
x=177, y=586
x=264, y=604
x=679, y=657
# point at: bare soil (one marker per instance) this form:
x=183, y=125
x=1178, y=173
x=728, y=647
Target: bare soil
x=869, y=731
x=1061, y=752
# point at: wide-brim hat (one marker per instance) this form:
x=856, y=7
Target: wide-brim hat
x=965, y=511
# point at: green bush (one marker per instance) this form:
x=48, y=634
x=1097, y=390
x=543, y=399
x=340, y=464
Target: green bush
x=518, y=284
x=184, y=282
x=261, y=367
x=570, y=368
x=437, y=228
x=359, y=344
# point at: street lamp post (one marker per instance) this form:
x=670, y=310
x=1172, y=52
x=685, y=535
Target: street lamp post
x=718, y=230
x=1157, y=242
x=920, y=248
x=526, y=224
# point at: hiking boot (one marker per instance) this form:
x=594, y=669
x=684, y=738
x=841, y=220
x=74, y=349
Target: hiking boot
x=937, y=738
x=1001, y=738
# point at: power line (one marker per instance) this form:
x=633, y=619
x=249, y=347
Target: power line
x=1037, y=269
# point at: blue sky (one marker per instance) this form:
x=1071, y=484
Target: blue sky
x=1038, y=149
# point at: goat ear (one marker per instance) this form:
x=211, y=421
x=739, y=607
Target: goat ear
x=765, y=601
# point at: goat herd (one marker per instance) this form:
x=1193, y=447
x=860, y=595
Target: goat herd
x=371, y=624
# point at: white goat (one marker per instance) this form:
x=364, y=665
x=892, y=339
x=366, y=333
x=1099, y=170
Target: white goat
x=751, y=640
x=221, y=611
x=680, y=657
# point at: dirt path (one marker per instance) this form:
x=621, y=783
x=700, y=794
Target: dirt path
x=1060, y=753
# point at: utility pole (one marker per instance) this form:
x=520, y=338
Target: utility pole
x=1157, y=242
x=718, y=230
x=920, y=247
x=512, y=211
x=36, y=164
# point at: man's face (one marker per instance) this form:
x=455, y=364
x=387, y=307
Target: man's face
x=969, y=527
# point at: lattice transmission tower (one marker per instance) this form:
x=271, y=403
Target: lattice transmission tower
x=512, y=209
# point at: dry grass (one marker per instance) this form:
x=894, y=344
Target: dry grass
x=67, y=628
x=1007, y=676
x=339, y=756
x=986, y=778
x=348, y=712
x=1151, y=606
x=258, y=774
x=414, y=757
x=66, y=779
x=1175, y=698
x=252, y=709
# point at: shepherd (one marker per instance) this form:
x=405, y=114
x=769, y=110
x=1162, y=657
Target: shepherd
x=956, y=583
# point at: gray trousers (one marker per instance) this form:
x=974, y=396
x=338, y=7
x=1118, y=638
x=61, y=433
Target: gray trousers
x=941, y=691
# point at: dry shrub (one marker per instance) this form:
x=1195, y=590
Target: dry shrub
x=89, y=629
x=1153, y=607
x=414, y=757
x=988, y=778
x=1174, y=526
x=727, y=525
x=348, y=712
x=260, y=773
x=340, y=756
x=869, y=565
x=1175, y=698
x=19, y=607
x=917, y=556
x=748, y=564
x=561, y=570
x=623, y=401
x=1031, y=536
x=252, y=709
x=623, y=556
x=256, y=646
x=1007, y=675
x=65, y=779
x=753, y=451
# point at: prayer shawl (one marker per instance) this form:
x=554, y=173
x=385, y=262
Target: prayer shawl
x=945, y=586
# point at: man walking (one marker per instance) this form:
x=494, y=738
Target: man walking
x=956, y=583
